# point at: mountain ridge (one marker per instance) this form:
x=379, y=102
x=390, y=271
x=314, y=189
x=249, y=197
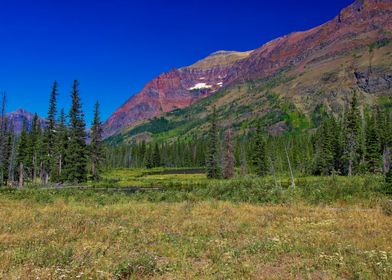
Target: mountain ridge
x=21, y=115
x=355, y=28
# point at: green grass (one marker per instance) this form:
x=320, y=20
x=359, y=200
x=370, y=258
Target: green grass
x=245, y=228
x=141, y=177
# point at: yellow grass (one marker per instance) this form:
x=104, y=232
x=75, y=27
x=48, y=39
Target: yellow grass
x=206, y=240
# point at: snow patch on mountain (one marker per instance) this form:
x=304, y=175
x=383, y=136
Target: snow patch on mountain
x=200, y=86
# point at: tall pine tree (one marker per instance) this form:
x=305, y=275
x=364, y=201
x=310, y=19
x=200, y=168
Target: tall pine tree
x=96, y=149
x=259, y=157
x=213, y=166
x=373, y=147
x=22, y=153
x=353, y=136
x=156, y=156
x=47, y=164
x=60, y=148
x=76, y=156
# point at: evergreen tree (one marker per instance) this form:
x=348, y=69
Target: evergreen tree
x=12, y=153
x=148, y=158
x=96, y=149
x=48, y=163
x=60, y=148
x=3, y=135
x=326, y=147
x=142, y=154
x=388, y=182
x=76, y=156
x=213, y=167
x=156, y=156
x=373, y=148
x=259, y=158
x=22, y=153
x=243, y=160
x=353, y=136
x=228, y=158
x=384, y=132
x=32, y=147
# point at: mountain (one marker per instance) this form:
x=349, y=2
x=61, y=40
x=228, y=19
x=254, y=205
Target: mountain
x=19, y=116
x=286, y=82
x=175, y=89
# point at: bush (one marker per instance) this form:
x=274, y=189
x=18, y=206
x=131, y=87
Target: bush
x=388, y=183
x=144, y=265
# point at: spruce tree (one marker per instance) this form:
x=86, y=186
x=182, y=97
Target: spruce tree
x=32, y=149
x=48, y=163
x=353, y=136
x=259, y=157
x=142, y=154
x=60, y=148
x=76, y=156
x=228, y=158
x=388, y=181
x=373, y=148
x=148, y=158
x=326, y=147
x=96, y=149
x=384, y=132
x=156, y=156
x=213, y=167
x=22, y=153
x=12, y=153
x=3, y=136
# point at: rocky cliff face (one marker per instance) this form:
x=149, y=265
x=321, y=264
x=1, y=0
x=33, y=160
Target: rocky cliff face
x=356, y=27
x=175, y=89
x=21, y=115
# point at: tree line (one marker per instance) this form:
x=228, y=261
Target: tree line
x=58, y=152
x=356, y=141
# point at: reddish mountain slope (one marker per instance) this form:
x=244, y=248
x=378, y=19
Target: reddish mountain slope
x=177, y=88
x=357, y=26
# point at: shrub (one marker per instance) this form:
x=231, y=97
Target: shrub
x=388, y=183
x=144, y=265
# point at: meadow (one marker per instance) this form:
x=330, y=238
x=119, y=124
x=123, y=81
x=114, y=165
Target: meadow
x=193, y=228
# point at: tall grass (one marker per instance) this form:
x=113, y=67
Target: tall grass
x=251, y=189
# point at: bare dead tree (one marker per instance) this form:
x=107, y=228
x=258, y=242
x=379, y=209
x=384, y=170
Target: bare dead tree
x=291, y=169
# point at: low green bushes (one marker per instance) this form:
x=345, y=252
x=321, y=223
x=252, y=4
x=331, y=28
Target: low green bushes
x=251, y=189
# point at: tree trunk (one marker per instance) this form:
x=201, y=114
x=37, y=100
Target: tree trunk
x=350, y=167
x=21, y=178
x=60, y=165
x=34, y=169
x=44, y=175
x=93, y=170
x=386, y=158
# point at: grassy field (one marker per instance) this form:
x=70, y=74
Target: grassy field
x=141, y=177
x=241, y=229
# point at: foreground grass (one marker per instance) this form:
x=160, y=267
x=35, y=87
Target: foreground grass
x=193, y=228
x=202, y=240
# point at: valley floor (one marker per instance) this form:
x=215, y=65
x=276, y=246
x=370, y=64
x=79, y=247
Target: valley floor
x=66, y=239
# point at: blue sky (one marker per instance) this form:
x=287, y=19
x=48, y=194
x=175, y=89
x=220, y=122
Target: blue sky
x=114, y=47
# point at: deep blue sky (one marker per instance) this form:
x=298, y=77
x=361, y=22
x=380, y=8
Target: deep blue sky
x=114, y=47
